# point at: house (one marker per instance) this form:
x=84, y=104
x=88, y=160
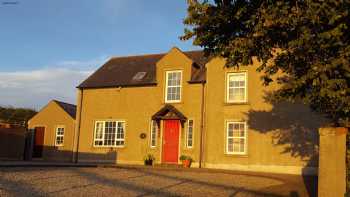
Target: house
x=54, y=127
x=182, y=103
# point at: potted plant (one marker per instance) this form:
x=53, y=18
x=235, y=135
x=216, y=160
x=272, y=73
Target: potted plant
x=148, y=159
x=186, y=161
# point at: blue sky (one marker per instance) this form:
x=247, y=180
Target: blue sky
x=48, y=46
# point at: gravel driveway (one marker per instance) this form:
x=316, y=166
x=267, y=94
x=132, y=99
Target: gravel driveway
x=127, y=181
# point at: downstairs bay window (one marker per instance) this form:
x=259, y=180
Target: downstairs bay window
x=109, y=133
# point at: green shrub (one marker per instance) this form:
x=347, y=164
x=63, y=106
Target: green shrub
x=149, y=157
x=185, y=157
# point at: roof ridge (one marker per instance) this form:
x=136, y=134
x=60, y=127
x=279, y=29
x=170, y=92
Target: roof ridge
x=140, y=55
x=63, y=102
x=150, y=54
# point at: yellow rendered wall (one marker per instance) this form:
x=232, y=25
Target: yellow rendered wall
x=50, y=117
x=136, y=105
x=281, y=137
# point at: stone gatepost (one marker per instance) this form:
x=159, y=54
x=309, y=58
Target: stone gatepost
x=332, y=164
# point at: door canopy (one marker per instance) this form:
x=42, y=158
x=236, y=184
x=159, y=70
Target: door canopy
x=169, y=112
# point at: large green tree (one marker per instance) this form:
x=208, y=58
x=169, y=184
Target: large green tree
x=306, y=40
x=16, y=115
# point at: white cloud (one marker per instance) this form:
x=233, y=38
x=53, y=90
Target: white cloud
x=81, y=65
x=36, y=87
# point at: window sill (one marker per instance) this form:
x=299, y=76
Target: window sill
x=111, y=147
x=180, y=102
x=245, y=155
x=236, y=103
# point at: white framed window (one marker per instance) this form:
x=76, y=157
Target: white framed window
x=173, y=86
x=236, y=87
x=153, y=136
x=189, y=136
x=59, y=136
x=99, y=130
x=109, y=133
x=236, y=137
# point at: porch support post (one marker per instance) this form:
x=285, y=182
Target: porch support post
x=332, y=164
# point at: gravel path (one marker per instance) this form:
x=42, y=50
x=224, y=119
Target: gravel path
x=74, y=181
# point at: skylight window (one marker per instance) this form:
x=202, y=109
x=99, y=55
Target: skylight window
x=139, y=76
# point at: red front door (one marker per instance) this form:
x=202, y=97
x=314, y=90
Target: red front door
x=171, y=141
x=38, y=141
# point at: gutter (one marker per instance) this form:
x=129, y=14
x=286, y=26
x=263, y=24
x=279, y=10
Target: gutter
x=202, y=127
x=118, y=85
x=78, y=133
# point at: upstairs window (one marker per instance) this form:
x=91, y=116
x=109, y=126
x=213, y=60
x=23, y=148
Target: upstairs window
x=236, y=138
x=109, y=133
x=173, y=86
x=189, y=141
x=154, y=131
x=59, y=136
x=236, y=88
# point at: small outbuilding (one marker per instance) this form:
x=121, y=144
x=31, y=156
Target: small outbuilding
x=53, y=128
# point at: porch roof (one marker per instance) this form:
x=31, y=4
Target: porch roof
x=169, y=112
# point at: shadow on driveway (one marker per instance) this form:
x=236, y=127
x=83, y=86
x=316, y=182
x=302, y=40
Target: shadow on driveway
x=145, y=182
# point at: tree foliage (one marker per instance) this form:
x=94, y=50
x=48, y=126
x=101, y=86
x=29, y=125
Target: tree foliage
x=307, y=40
x=16, y=115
